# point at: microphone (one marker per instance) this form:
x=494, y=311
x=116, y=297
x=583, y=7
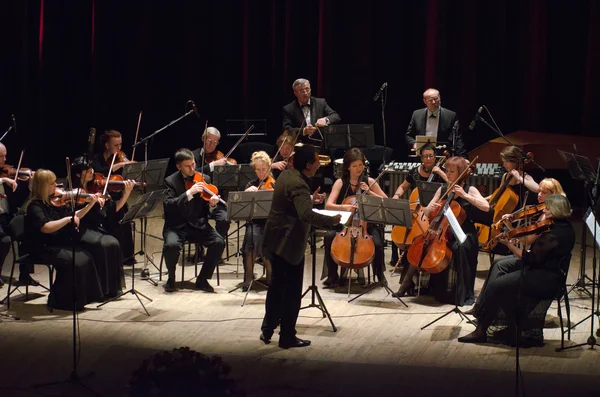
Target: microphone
x=14, y=123
x=378, y=94
x=195, y=108
x=575, y=147
x=474, y=122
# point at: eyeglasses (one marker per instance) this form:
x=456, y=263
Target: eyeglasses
x=212, y=142
x=261, y=169
x=428, y=156
x=430, y=100
x=303, y=90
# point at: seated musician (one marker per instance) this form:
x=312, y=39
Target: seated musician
x=186, y=219
x=464, y=256
x=511, y=161
x=353, y=182
x=506, y=264
x=16, y=192
x=53, y=233
x=212, y=157
x=285, y=144
x=306, y=114
x=112, y=142
x=541, y=276
x=253, y=238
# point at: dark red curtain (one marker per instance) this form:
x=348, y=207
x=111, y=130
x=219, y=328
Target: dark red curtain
x=67, y=66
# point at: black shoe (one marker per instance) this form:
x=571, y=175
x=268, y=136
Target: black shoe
x=331, y=282
x=1, y=283
x=266, y=339
x=28, y=280
x=296, y=342
x=169, y=286
x=202, y=284
x=472, y=310
x=361, y=280
x=473, y=338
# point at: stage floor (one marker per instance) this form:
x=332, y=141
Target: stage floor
x=378, y=349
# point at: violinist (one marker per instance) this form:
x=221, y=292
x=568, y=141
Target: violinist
x=353, y=182
x=212, y=157
x=253, y=238
x=112, y=144
x=282, y=160
x=186, y=219
x=541, y=277
x=16, y=193
x=464, y=256
x=51, y=232
x=506, y=264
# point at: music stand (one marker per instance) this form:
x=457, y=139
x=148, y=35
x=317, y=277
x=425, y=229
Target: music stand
x=581, y=169
x=155, y=171
x=427, y=191
x=386, y=211
x=343, y=136
x=145, y=204
x=249, y=206
x=233, y=176
x=240, y=126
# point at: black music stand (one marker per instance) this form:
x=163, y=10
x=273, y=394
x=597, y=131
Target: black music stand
x=343, y=136
x=233, y=176
x=155, y=171
x=581, y=169
x=385, y=211
x=427, y=191
x=248, y=206
x=145, y=204
x=238, y=127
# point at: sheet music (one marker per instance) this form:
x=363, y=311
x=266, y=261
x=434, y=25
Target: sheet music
x=345, y=214
x=456, y=229
x=590, y=221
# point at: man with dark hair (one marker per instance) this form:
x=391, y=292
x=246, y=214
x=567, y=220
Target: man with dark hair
x=435, y=121
x=186, y=219
x=306, y=113
x=285, y=236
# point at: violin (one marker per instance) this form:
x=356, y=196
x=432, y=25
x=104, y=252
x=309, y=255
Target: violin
x=116, y=183
x=430, y=251
x=10, y=171
x=208, y=190
x=534, y=228
x=218, y=155
x=528, y=211
x=267, y=184
x=62, y=197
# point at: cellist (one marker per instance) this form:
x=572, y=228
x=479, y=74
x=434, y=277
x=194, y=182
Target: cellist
x=352, y=182
x=464, y=256
x=253, y=238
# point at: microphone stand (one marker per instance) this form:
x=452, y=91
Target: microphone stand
x=383, y=103
x=7, y=131
x=143, y=221
x=524, y=157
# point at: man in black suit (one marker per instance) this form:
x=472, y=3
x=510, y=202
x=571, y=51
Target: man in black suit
x=306, y=113
x=186, y=219
x=285, y=236
x=434, y=121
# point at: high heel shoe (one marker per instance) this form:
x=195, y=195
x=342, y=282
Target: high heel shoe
x=404, y=289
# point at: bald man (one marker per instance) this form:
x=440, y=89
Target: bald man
x=434, y=121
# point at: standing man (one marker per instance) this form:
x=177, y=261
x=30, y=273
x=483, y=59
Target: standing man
x=186, y=219
x=285, y=236
x=434, y=121
x=306, y=113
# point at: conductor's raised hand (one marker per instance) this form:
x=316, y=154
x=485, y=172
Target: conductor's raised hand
x=317, y=197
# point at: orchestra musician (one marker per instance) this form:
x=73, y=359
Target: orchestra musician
x=511, y=161
x=212, y=158
x=285, y=144
x=16, y=192
x=540, y=279
x=464, y=256
x=252, y=246
x=506, y=264
x=419, y=174
x=285, y=237
x=353, y=182
x=52, y=233
x=435, y=121
x=186, y=219
x=306, y=114
x=112, y=142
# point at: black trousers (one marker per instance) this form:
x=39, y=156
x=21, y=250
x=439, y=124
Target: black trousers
x=219, y=214
x=500, y=267
x=206, y=236
x=283, y=297
x=108, y=259
x=24, y=269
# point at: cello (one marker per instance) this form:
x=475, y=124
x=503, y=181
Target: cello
x=430, y=252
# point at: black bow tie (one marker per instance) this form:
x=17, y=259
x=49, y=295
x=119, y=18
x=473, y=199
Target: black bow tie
x=306, y=106
x=433, y=116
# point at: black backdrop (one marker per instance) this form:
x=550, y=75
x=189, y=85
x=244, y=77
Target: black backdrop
x=68, y=65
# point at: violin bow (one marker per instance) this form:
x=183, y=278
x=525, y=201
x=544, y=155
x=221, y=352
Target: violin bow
x=205, y=137
x=109, y=172
x=70, y=183
x=19, y=165
x=137, y=131
x=239, y=141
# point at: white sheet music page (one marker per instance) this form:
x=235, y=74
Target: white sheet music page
x=456, y=229
x=590, y=221
x=345, y=214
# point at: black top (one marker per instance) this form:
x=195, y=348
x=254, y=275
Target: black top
x=40, y=213
x=413, y=177
x=470, y=210
x=100, y=165
x=551, y=246
x=346, y=189
x=179, y=211
x=293, y=116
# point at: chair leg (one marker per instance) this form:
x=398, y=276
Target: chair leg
x=560, y=319
x=160, y=267
x=10, y=280
x=196, y=258
x=568, y=310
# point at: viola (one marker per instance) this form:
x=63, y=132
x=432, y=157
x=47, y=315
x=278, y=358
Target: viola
x=62, y=197
x=528, y=211
x=534, y=228
x=10, y=171
x=208, y=190
x=267, y=184
x=217, y=155
x=116, y=183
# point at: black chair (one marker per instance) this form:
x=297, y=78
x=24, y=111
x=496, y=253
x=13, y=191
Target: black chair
x=198, y=255
x=16, y=232
x=243, y=152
